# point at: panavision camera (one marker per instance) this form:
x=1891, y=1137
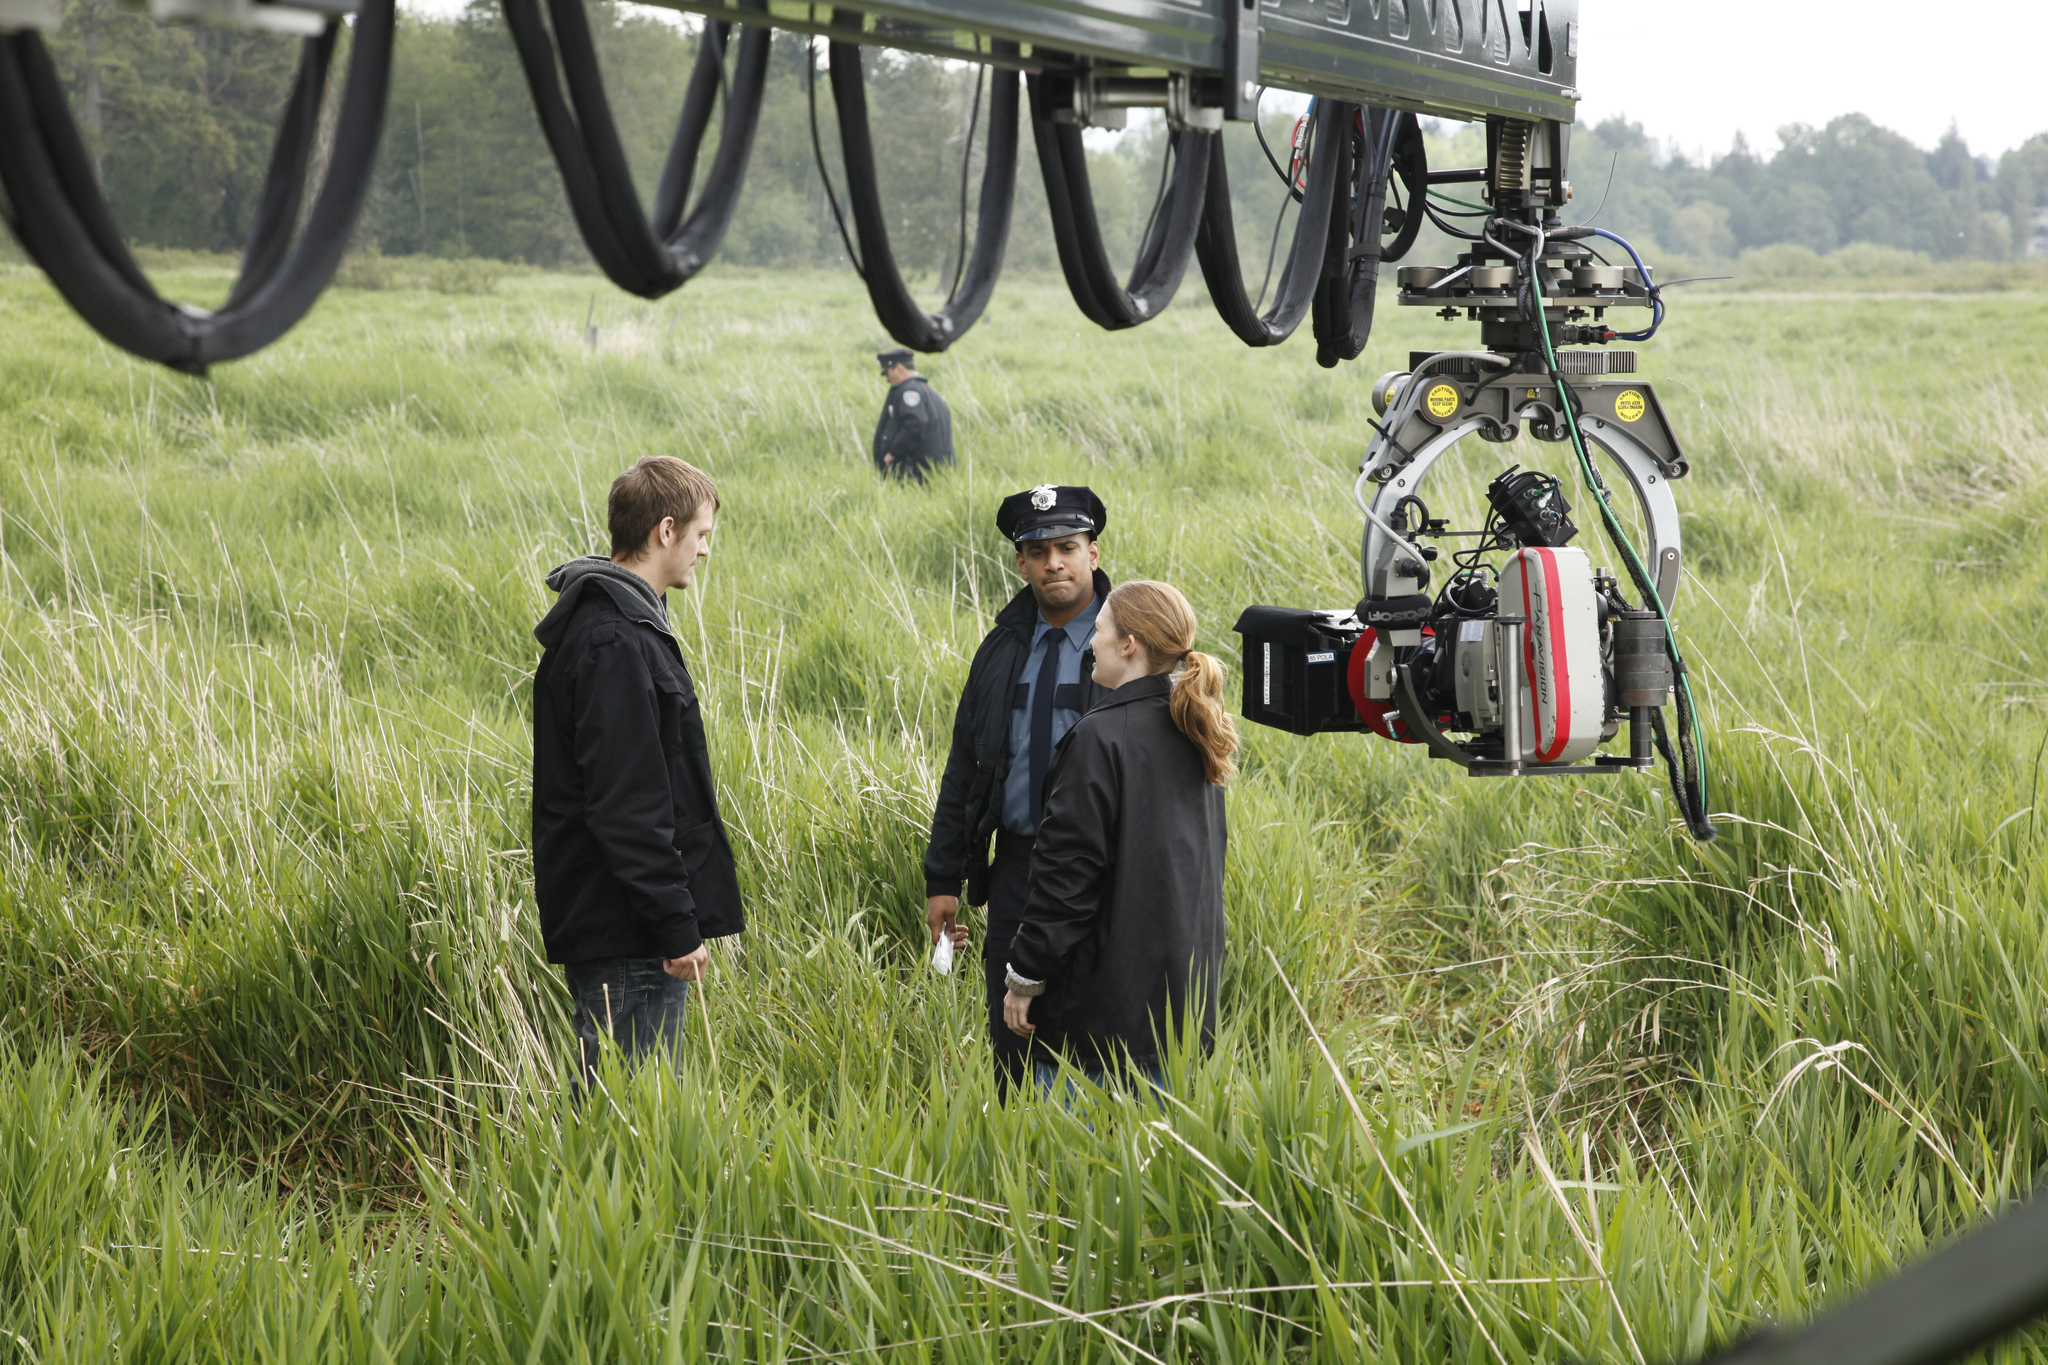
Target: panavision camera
x=1529, y=650
x=1529, y=655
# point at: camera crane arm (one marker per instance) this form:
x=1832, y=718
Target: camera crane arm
x=1511, y=62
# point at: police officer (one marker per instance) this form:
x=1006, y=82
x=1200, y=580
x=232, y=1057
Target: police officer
x=916, y=430
x=1030, y=682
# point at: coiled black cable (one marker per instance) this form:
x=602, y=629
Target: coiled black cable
x=59, y=214
x=1409, y=158
x=1351, y=267
x=1216, y=243
x=641, y=257
x=1169, y=242
x=899, y=312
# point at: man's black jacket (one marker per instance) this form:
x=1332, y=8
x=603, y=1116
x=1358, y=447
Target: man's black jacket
x=916, y=427
x=970, y=803
x=1125, y=919
x=630, y=858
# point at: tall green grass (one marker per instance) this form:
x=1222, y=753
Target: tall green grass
x=1509, y=1071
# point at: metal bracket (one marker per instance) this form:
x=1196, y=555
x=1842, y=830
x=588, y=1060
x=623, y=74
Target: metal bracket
x=1099, y=100
x=1240, y=60
x=1395, y=478
x=34, y=14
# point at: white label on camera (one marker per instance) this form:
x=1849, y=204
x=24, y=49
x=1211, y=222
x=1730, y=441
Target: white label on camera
x=1325, y=657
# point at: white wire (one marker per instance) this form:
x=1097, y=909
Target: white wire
x=1395, y=420
x=1392, y=534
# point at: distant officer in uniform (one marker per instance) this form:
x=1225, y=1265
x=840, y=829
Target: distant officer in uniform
x=916, y=430
x=1030, y=682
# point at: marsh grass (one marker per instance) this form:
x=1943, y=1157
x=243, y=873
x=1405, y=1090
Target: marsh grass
x=283, y=1063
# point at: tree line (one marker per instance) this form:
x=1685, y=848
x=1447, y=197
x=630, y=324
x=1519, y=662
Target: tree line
x=1824, y=188
x=181, y=120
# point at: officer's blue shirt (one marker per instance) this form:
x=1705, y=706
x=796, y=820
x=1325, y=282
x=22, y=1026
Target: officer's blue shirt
x=1017, y=786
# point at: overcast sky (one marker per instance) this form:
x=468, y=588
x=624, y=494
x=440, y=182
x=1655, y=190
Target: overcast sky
x=1695, y=74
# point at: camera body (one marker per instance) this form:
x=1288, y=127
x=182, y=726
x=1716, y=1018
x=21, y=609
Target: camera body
x=1527, y=666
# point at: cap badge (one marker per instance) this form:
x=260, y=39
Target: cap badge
x=1044, y=496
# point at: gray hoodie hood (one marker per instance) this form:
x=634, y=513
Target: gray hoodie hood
x=629, y=590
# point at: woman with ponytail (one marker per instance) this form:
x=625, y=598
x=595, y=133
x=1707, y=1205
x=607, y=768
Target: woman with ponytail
x=1122, y=939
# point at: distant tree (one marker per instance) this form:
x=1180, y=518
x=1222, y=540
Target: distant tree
x=179, y=118
x=2022, y=191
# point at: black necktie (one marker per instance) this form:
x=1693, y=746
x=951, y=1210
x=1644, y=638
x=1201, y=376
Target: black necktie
x=1041, y=723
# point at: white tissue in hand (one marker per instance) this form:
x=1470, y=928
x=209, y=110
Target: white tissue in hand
x=942, y=955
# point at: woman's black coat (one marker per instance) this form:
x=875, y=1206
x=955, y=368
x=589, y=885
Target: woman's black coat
x=1125, y=919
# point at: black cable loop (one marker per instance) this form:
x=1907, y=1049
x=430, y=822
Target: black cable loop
x=966, y=165
x=679, y=167
x=1169, y=243
x=1216, y=244
x=60, y=215
x=1409, y=158
x=1351, y=276
x=642, y=257
x=909, y=324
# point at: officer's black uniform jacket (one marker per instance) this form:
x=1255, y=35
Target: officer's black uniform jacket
x=916, y=427
x=630, y=858
x=970, y=803
x=1125, y=918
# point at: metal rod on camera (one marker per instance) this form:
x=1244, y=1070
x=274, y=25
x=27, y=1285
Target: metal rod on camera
x=1639, y=735
x=1509, y=630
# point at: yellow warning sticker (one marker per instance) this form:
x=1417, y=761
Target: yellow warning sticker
x=1629, y=405
x=1442, y=400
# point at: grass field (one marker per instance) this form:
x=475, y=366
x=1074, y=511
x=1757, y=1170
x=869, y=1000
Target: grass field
x=281, y=1070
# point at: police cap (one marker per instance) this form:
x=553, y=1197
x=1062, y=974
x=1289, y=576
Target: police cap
x=899, y=356
x=1050, y=511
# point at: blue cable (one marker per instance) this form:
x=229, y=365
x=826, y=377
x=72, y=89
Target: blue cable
x=1656, y=302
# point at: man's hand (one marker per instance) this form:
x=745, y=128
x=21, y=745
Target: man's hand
x=942, y=916
x=1017, y=1013
x=691, y=967
x=888, y=460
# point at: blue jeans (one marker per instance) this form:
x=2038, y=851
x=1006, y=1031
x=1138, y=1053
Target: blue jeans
x=629, y=1000
x=1048, y=1073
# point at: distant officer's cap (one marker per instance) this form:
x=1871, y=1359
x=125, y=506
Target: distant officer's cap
x=1050, y=511
x=899, y=356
